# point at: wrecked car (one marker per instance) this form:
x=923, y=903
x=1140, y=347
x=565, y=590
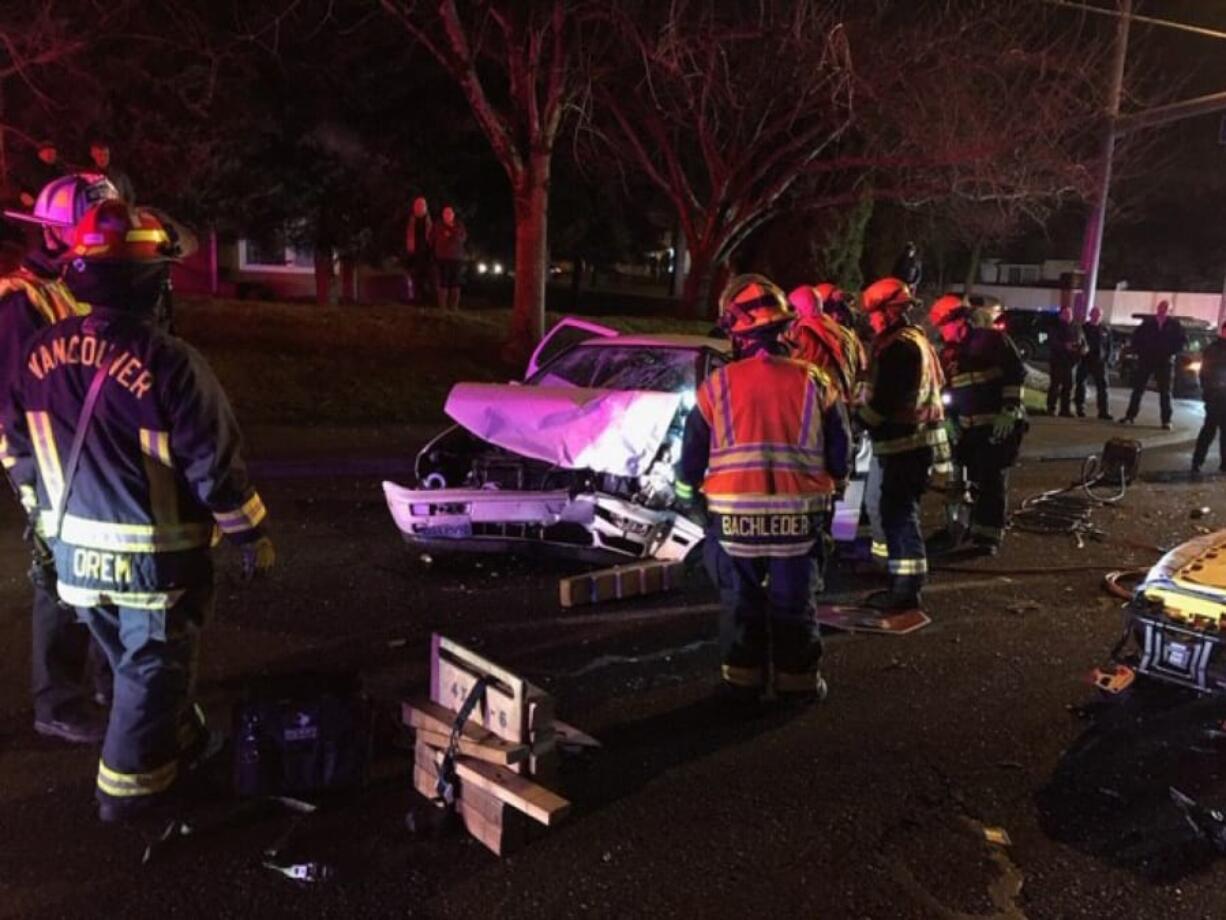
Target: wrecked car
x=575, y=462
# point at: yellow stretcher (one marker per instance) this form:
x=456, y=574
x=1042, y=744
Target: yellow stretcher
x=1177, y=616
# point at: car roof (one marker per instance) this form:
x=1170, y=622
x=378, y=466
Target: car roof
x=695, y=342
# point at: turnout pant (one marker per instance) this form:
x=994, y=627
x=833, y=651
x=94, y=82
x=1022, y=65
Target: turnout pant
x=986, y=467
x=153, y=724
x=1061, y=386
x=767, y=617
x=904, y=479
x=1161, y=372
x=1093, y=369
x=1213, y=427
x=63, y=659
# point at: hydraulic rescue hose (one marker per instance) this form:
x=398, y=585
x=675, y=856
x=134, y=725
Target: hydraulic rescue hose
x=1064, y=511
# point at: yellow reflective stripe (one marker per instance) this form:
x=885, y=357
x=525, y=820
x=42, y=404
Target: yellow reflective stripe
x=908, y=566
x=125, y=785
x=78, y=596
x=28, y=497
x=871, y=416
x=245, y=518
x=970, y=378
x=930, y=437
x=134, y=538
x=769, y=504
x=880, y=550
x=742, y=677
x=767, y=550
x=767, y=456
x=156, y=444
x=1016, y=392
x=47, y=455
x=8, y=462
x=683, y=490
x=147, y=236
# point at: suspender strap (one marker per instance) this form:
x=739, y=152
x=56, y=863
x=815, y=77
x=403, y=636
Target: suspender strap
x=78, y=440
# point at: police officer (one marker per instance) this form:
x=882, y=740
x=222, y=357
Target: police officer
x=1099, y=351
x=768, y=446
x=31, y=299
x=985, y=377
x=1066, y=346
x=1213, y=391
x=130, y=441
x=1156, y=342
x=903, y=414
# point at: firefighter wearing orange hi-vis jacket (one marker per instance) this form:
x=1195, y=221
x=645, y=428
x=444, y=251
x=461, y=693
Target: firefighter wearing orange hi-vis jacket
x=766, y=450
x=126, y=444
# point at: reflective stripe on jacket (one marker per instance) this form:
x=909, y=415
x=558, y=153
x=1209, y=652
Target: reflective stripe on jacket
x=902, y=408
x=159, y=474
x=766, y=472
x=986, y=376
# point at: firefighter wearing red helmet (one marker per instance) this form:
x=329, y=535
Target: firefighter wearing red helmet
x=818, y=338
x=130, y=443
x=32, y=298
x=903, y=414
x=986, y=378
x=767, y=447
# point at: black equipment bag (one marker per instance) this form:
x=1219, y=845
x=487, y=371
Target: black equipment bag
x=1121, y=456
x=302, y=733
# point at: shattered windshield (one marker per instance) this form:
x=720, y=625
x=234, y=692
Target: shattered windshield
x=664, y=370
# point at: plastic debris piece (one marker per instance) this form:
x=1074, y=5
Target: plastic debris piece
x=425, y=559
x=397, y=643
x=1203, y=511
x=302, y=872
x=997, y=836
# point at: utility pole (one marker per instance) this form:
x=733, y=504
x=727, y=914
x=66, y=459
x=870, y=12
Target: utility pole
x=1092, y=243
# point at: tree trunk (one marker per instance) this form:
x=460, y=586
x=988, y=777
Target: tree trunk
x=531, y=259
x=696, y=292
x=972, y=270
x=323, y=274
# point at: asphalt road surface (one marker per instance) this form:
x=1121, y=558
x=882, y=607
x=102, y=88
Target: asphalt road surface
x=873, y=804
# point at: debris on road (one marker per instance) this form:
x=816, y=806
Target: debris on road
x=1198, y=513
x=997, y=836
x=865, y=619
x=1208, y=823
x=486, y=739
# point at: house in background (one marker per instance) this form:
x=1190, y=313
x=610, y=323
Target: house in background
x=272, y=268
x=1048, y=272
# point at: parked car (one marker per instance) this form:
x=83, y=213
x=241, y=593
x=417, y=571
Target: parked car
x=1186, y=380
x=577, y=461
x=1031, y=331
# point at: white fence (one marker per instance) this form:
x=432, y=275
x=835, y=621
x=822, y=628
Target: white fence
x=1118, y=306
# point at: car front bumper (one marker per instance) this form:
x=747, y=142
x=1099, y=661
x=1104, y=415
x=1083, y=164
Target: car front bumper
x=592, y=526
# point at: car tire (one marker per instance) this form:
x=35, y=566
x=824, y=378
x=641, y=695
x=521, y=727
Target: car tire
x=1026, y=348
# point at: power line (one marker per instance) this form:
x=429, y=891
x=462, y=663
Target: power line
x=1149, y=20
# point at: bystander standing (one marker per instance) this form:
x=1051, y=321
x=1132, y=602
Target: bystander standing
x=419, y=262
x=447, y=241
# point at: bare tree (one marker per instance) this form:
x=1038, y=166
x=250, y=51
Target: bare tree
x=722, y=105
x=513, y=61
x=35, y=36
x=739, y=111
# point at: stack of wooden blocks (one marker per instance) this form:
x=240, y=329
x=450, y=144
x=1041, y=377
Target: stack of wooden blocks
x=506, y=748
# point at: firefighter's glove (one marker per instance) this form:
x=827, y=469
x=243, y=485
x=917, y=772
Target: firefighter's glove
x=1005, y=422
x=258, y=558
x=691, y=503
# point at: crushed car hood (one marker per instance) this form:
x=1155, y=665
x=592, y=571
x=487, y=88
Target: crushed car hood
x=609, y=431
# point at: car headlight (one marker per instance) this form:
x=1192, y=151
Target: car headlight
x=482, y=268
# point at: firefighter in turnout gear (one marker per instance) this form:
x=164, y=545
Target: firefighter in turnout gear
x=767, y=447
x=32, y=298
x=818, y=338
x=903, y=414
x=986, y=378
x=130, y=442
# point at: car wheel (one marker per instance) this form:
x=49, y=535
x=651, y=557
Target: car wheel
x=1026, y=348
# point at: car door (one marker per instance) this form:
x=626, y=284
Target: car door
x=564, y=336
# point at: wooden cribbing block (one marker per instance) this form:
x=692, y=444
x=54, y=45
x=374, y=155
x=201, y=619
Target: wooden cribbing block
x=453, y=672
x=534, y=800
x=495, y=824
x=433, y=725
x=634, y=580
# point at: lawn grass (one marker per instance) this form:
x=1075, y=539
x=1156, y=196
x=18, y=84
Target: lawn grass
x=387, y=363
